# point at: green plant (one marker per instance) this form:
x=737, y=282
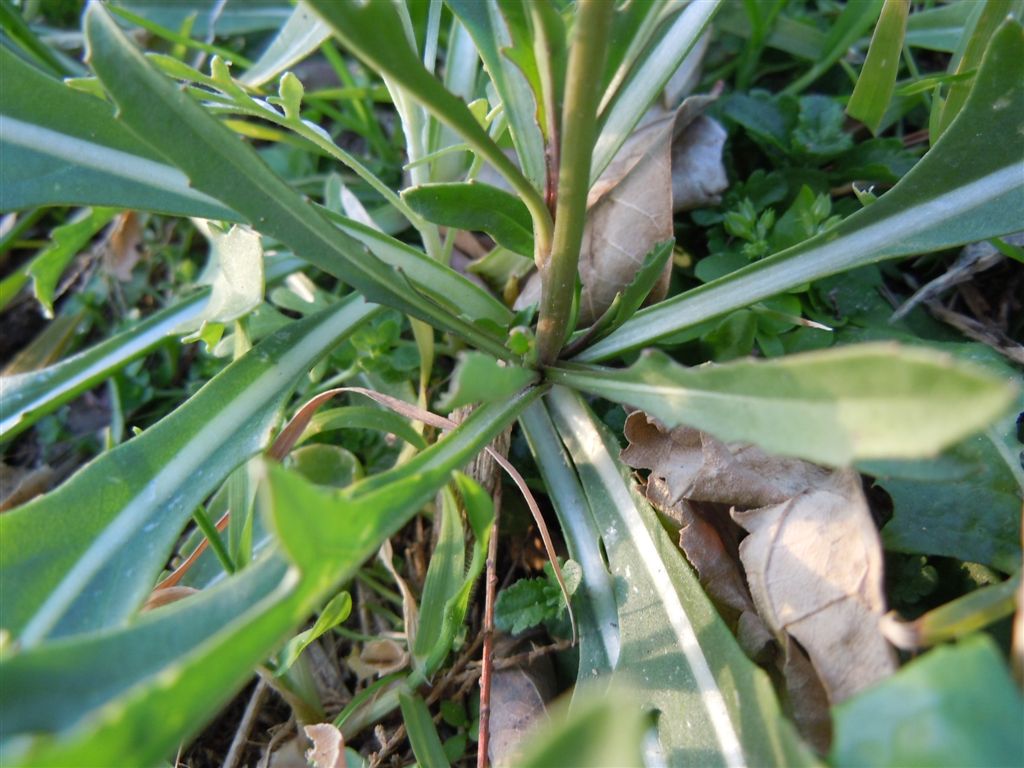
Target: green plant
x=85, y=673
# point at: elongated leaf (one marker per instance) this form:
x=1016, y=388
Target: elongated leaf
x=374, y=32
x=968, y=56
x=327, y=534
x=594, y=601
x=63, y=147
x=490, y=32
x=853, y=21
x=300, y=36
x=426, y=744
x=475, y=207
x=960, y=192
x=961, y=695
x=650, y=74
x=65, y=243
x=444, y=576
x=877, y=79
x=52, y=687
x=939, y=28
x=85, y=555
x=222, y=166
x=444, y=285
x=831, y=407
x=29, y=396
x=677, y=656
x=481, y=378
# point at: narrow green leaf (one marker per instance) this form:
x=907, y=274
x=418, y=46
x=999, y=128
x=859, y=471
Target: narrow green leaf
x=970, y=50
x=30, y=396
x=426, y=744
x=65, y=243
x=648, y=77
x=51, y=688
x=594, y=603
x=939, y=28
x=475, y=207
x=15, y=27
x=677, y=657
x=831, y=407
x=854, y=20
x=333, y=614
x=487, y=25
x=85, y=555
x=480, y=378
x=960, y=192
x=877, y=81
x=300, y=36
x=444, y=576
x=63, y=147
x=373, y=31
x=444, y=285
x=961, y=696
x=218, y=163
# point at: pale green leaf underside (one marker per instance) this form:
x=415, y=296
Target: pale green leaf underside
x=969, y=187
x=833, y=407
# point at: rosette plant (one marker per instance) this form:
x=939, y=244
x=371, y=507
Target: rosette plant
x=516, y=120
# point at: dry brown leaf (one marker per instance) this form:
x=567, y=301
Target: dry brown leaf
x=123, y=246
x=813, y=559
x=814, y=566
x=518, y=703
x=378, y=658
x=288, y=755
x=629, y=208
x=698, y=176
x=328, y=746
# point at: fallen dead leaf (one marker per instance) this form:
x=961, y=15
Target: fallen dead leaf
x=378, y=658
x=123, y=246
x=328, y=746
x=519, y=697
x=814, y=566
x=672, y=162
x=812, y=559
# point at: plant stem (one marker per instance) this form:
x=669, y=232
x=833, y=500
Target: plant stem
x=579, y=129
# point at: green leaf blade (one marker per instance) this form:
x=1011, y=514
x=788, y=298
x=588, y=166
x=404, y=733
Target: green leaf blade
x=832, y=407
x=877, y=79
x=85, y=555
x=475, y=207
x=63, y=147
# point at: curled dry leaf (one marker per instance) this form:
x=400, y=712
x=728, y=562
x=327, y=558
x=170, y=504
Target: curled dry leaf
x=328, y=746
x=672, y=162
x=378, y=658
x=122, y=248
x=812, y=559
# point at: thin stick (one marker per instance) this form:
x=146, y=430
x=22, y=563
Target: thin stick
x=252, y=709
x=487, y=660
